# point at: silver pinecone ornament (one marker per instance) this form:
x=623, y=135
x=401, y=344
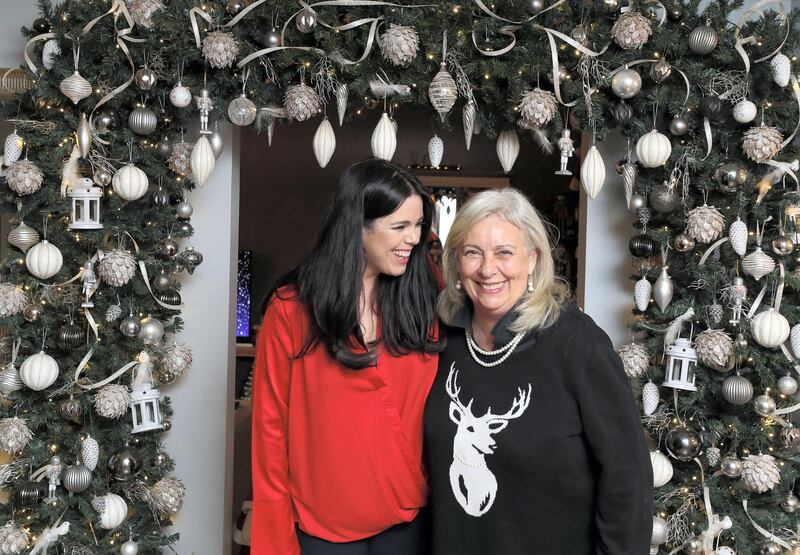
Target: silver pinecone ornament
x=631, y=30
x=715, y=349
x=220, y=49
x=794, y=339
x=715, y=313
x=13, y=148
x=760, y=473
x=13, y=540
x=302, y=102
x=14, y=435
x=176, y=359
x=399, y=44
x=24, y=177
x=713, y=456
x=13, y=300
x=142, y=11
x=641, y=294
x=737, y=234
x=117, y=268
x=180, y=159
x=537, y=108
x=635, y=359
x=112, y=401
x=90, y=452
x=113, y=312
x=704, y=224
x=166, y=496
x=781, y=69
x=650, y=398
x=762, y=143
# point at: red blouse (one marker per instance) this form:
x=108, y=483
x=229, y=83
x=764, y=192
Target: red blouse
x=336, y=450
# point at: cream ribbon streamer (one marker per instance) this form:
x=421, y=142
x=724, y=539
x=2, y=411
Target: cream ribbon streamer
x=34, y=40
x=758, y=8
x=762, y=531
x=796, y=93
x=107, y=380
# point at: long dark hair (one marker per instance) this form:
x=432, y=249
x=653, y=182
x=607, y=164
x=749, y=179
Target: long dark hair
x=329, y=280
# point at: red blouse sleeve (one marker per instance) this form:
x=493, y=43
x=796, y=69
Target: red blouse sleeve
x=273, y=526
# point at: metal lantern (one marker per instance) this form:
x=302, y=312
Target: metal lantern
x=145, y=409
x=86, y=207
x=681, y=364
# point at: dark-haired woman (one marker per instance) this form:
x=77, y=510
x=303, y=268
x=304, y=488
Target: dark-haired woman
x=345, y=358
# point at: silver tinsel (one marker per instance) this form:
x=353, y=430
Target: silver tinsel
x=705, y=224
x=117, y=268
x=14, y=435
x=112, y=401
x=631, y=30
x=635, y=359
x=12, y=300
x=181, y=158
x=302, y=102
x=13, y=540
x=715, y=349
x=762, y=143
x=220, y=49
x=176, y=358
x=399, y=44
x=142, y=11
x=537, y=107
x=166, y=496
x=760, y=473
x=24, y=177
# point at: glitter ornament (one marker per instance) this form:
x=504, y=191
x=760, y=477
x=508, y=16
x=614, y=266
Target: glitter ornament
x=13, y=300
x=760, y=473
x=90, y=452
x=112, y=401
x=117, y=267
x=14, y=435
x=650, y=398
x=635, y=359
x=399, y=44
x=166, y=496
x=537, y=108
x=435, y=151
x=715, y=349
x=737, y=234
x=24, y=177
x=762, y=143
x=242, y=111
x=713, y=456
x=744, y=111
x=442, y=91
x=111, y=509
x=794, y=339
x=220, y=49
x=113, y=312
x=50, y=53
x=302, y=102
x=781, y=69
x=705, y=224
x=631, y=31
x=641, y=294
x=179, y=160
x=14, y=145
x=13, y=540
x=142, y=11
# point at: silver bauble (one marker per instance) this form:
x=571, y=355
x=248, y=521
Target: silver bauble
x=764, y=405
x=679, y=126
x=105, y=121
x=771, y=548
x=638, y=201
x=306, y=20
x=731, y=467
x=164, y=147
x=130, y=547
x=683, y=443
x=130, y=326
x=693, y=547
x=184, y=210
x=683, y=243
x=145, y=78
x=664, y=199
x=142, y=121
x=782, y=245
x=168, y=247
x=737, y=390
x=165, y=376
x=23, y=237
x=272, y=38
x=180, y=96
x=242, y=111
x=32, y=312
x=161, y=282
x=152, y=331
x=659, y=531
x=125, y=463
x=730, y=176
x=703, y=40
x=77, y=478
x=215, y=139
x=102, y=178
x=787, y=385
x=70, y=336
x=626, y=83
x=790, y=503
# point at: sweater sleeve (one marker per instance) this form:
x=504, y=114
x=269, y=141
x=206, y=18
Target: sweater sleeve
x=273, y=525
x=624, y=513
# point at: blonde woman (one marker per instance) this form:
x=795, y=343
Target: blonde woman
x=533, y=438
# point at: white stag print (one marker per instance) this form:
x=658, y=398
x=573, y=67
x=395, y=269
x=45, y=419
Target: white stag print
x=474, y=485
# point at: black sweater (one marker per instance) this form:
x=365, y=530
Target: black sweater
x=562, y=470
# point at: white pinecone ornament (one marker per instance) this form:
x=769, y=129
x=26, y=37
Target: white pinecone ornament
x=180, y=159
x=715, y=313
x=14, y=435
x=90, y=452
x=713, y=456
x=13, y=148
x=117, y=268
x=302, y=102
x=112, y=401
x=762, y=143
x=142, y=11
x=220, y=49
x=13, y=540
x=641, y=294
x=650, y=398
x=760, y=473
x=631, y=30
x=737, y=235
x=704, y=224
x=176, y=359
x=537, y=108
x=781, y=69
x=24, y=177
x=635, y=359
x=794, y=339
x=166, y=496
x=12, y=300
x=113, y=312
x=715, y=349
x=399, y=44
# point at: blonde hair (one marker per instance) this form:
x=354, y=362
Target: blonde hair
x=539, y=308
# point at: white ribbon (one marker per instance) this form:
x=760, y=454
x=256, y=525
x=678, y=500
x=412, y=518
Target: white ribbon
x=757, y=8
x=49, y=536
x=711, y=249
x=30, y=43
x=709, y=138
x=101, y=383
x=762, y=531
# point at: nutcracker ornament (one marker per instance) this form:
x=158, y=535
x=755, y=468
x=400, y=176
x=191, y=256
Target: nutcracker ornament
x=205, y=105
x=567, y=148
x=90, y=284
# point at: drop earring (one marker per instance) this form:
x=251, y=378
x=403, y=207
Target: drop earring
x=530, y=283
x=458, y=285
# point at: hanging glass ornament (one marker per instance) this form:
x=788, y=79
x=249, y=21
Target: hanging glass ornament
x=703, y=40
x=23, y=237
x=145, y=78
x=306, y=20
x=679, y=126
x=242, y=111
x=626, y=83
x=180, y=96
x=442, y=91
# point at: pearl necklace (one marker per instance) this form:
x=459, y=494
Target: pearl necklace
x=508, y=348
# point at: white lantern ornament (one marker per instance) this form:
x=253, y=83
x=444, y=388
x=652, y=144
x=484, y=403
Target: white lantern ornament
x=324, y=142
x=653, y=149
x=507, y=149
x=85, y=205
x=681, y=365
x=384, y=138
x=593, y=172
x=130, y=182
x=145, y=396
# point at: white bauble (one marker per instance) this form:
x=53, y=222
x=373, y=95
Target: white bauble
x=180, y=96
x=653, y=149
x=324, y=142
x=745, y=111
x=112, y=510
x=737, y=234
x=724, y=550
x=659, y=531
x=130, y=182
x=384, y=138
x=662, y=468
x=593, y=172
x=507, y=149
x=435, y=151
x=202, y=161
x=769, y=328
x=39, y=371
x=50, y=52
x=44, y=260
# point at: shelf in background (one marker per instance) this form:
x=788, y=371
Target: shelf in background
x=245, y=350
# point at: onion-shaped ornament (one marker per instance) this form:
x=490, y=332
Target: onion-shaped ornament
x=142, y=120
x=77, y=478
x=703, y=40
x=75, y=87
x=324, y=142
x=44, y=260
x=653, y=149
x=781, y=69
x=190, y=259
x=744, y=111
x=10, y=380
x=442, y=91
x=180, y=96
x=737, y=234
x=641, y=294
x=508, y=149
x=202, y=161
x=758, y=264
x=662, y=468
x=626, y=83
x=593, y=172
x=130, y=182
x=39, y=371
x=242, y=111
x=642, y=246
x=769, y=328
x=23, y=237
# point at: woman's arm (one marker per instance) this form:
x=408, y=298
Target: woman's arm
x=273, y=526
